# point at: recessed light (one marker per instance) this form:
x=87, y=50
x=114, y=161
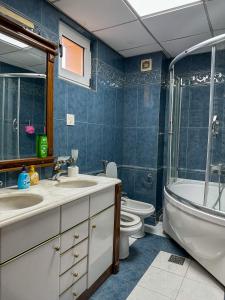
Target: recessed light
x=9, y=40
x=146, y=7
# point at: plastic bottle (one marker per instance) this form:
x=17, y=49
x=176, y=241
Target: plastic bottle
x=23, y=179
x=34, y=176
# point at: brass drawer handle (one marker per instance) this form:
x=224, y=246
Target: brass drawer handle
x=57, y=248
x=76, y=255
x=76, y=236
x=94, y=226
x=75, y=274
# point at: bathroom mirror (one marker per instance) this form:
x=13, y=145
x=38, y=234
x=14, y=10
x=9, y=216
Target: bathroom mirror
x=26, y=95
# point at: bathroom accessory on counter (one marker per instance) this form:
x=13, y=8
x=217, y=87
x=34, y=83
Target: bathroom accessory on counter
x=23, y=179
x=34, y=176
x=73, y=171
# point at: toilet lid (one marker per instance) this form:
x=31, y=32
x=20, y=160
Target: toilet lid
x=111, y=170
x=127, y=219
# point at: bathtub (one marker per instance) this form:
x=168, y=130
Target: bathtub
x=199, y=230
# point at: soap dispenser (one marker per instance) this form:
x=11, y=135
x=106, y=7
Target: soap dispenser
x=23, y=179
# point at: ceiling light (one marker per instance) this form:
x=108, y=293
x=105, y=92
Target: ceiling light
x=9, y=40
x=146, y=7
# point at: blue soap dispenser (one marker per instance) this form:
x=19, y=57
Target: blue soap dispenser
x=23, y=179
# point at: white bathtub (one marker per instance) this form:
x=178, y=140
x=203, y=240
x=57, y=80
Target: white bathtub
x=201, y=232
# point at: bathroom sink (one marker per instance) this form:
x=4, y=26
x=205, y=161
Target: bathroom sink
x=19, y=201
x=76, y=184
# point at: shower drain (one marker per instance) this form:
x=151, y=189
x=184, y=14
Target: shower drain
x=179, y=260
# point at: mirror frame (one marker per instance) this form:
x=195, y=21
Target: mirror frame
x=13, y=29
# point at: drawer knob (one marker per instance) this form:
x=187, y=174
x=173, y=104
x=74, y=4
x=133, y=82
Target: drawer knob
x=57, y=248
x=74, y=294
x=76, y=255
x=94, y=226
x=75, y=274
x=76, y=236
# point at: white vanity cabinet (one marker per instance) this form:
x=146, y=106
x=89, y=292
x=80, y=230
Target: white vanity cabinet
x=100, y=244
x=33, y=275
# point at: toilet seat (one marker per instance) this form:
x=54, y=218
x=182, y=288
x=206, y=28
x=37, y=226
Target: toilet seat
x=128, y=220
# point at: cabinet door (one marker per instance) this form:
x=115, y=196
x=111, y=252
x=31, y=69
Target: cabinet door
x=33, y=275
x=100, y=244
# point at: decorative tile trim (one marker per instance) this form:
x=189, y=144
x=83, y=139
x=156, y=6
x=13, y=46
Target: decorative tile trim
x=202, y=78
x=106, y=74
x=141, y=78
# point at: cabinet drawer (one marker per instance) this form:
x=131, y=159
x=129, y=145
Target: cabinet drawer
x=74, y=213
x=101, y=200
x=72, y=275
x=73, y=236
x=73, y=256
x=76, y=290
x=24, y=235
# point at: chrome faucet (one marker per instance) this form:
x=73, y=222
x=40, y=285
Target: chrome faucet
x=1, y=184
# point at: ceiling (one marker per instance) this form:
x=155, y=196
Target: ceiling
x=172, y=31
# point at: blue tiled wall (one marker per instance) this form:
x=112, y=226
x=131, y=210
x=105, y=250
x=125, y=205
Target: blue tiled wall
x=98, y=111
x=120, y=119
x=143, y=131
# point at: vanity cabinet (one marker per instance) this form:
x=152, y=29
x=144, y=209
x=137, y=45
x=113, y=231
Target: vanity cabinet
x=59, y=254
x=33, y=275
x=100, y=244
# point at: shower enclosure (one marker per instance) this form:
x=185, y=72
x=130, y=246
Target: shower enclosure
x=194, y=208
x=18, y=94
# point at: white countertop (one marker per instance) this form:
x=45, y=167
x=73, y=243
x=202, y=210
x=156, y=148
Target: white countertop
x=53, y=196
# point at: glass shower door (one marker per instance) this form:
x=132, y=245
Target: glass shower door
x=10, y=106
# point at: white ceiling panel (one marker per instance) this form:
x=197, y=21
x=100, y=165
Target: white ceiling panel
x=216, y=9
x=141, y=50
x=179, y=23
x=175, y=47
x=96, y=14
x=125, y=36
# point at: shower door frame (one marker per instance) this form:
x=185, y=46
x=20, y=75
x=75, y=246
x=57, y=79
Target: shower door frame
x=209, y=43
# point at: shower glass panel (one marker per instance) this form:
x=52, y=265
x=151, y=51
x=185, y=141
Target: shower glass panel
x=196, y=131
x=9, y=94
x=217, y=159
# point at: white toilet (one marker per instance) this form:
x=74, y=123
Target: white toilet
x=129, y=225
x=138, y=208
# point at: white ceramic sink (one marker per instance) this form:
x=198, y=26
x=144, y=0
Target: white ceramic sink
x=76, y=184
x=19, y=201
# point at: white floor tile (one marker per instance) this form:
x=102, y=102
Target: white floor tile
x=158, y=229
x=198, y=273
x=160, y=281
x=140, y=293
x=194, y=290
x=161, y=262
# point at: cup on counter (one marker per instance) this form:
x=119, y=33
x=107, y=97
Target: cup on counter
x=73, y=171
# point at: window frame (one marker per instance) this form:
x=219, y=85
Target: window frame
x=71, y=34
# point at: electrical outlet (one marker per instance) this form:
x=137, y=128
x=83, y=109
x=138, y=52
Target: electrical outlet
x=70, y=120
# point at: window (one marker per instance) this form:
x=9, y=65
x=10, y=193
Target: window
x=75, y=56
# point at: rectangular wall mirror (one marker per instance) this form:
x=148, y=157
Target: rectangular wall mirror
x=26, y=96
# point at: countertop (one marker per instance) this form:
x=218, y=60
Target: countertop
x=52, y=196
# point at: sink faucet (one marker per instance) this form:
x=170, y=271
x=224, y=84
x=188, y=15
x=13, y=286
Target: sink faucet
x=104, y=163
x=1, y=184
x=57, y=170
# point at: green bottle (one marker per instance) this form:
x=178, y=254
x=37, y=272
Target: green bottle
x=42, y=145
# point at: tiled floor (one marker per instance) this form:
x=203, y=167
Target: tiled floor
x=147, y=275
x=166, y=280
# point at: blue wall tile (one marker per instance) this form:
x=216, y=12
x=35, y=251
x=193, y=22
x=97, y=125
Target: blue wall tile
x=129, y=146
x=130, y=107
